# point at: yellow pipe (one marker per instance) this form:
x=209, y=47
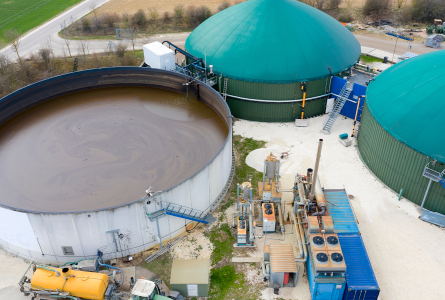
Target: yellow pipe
x=303, y=88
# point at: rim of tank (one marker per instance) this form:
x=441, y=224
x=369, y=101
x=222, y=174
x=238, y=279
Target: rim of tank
x=330, y=74
x=113, y=71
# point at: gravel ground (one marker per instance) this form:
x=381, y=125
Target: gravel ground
x=407, y=254
x=11, y=269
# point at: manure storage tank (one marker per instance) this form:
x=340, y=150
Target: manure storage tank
x=79, y=151
x=401, y=131
x=263, y=50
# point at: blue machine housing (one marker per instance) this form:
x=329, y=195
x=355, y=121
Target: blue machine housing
x=361, y=283
x=324, y=287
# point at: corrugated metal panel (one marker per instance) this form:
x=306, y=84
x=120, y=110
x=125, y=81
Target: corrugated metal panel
x=361, y=283
x=269, y=91
x=274, y=112
x=282, y=259
x=341, y=212
x=397, y=165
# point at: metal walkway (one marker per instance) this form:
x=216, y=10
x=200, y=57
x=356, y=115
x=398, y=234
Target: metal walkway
x=341, y=100
x=181, y=211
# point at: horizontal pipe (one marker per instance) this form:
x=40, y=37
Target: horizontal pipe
x=277, y=101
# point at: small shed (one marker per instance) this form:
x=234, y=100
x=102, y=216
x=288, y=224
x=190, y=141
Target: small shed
x=434, y=41
x=283, y=269
x=190, y=277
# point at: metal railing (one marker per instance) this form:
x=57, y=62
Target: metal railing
x=182, y=211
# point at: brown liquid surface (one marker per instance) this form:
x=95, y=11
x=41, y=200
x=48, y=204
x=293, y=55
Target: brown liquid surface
x=103, y=148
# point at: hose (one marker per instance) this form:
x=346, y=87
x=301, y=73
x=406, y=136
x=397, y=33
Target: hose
x=321, y=212
x=49, y=269
x=118, y=283
x=74, y=263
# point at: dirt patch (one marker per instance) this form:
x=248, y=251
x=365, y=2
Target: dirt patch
x=196, y=246
x=132, y=6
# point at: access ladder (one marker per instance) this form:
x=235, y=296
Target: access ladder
x=341, y=100
x=225, y=88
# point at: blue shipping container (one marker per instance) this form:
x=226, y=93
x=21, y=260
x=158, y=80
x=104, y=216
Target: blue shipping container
x=340, y=211
x=361, y=283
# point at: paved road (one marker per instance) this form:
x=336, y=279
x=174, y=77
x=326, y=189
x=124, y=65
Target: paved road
x=96, y=46
x=32, y=40
x=388, y=45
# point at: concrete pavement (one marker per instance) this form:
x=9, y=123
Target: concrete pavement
x=98, y=46
x=388, y=45
x=33, y=39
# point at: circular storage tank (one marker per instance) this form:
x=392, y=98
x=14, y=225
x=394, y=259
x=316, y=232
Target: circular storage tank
x=265, y=49
x=401, y=128
x=79, y=151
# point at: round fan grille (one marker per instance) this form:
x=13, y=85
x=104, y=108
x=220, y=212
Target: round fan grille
x=337, y=257
x=322, y=257
x=332, y=240
x=318, y=240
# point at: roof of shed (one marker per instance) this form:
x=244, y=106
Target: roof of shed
x=282, y=259
x=190, y=271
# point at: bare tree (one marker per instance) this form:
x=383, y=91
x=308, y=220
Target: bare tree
x=46, y=53
x=93, y=8
x=13, y=38
x=5, y=64
x=334, y=4
x=133, y=37
x=66, y=40
x=319, y=4
x=376, y=8
x=67, y=44
x=84, y=47
x=121, y=47
x=349, y=3
x=400, y=3
x=223, y=6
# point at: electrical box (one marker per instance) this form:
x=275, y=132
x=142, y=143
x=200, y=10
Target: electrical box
x=158, y=56
x=269, y=219
x=242, y=232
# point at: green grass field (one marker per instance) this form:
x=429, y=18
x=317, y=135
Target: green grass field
x=24, y=15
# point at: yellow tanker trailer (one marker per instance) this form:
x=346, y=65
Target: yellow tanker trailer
x=87, y=285
x=65, y=283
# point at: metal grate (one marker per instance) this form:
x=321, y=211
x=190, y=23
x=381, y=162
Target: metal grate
x=432, y=174
x=124, y=34
x=67, y=250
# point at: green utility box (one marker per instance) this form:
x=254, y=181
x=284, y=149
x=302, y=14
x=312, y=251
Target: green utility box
x=190, y=277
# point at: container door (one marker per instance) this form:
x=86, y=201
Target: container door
x=192, y=290
x=166, y=63
x=324, y=291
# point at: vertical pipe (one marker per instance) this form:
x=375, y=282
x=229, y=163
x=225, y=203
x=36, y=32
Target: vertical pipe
x=426, y=193
x=159, y=234
x=264, y=176
x=315, y=176
x=237, y=196
x=356, y=113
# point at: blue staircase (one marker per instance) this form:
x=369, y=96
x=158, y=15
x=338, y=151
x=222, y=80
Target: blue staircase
x=184, y=212
x=341, y=100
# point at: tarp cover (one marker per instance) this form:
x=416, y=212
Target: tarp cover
x=274, y=41
x=408, y=101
